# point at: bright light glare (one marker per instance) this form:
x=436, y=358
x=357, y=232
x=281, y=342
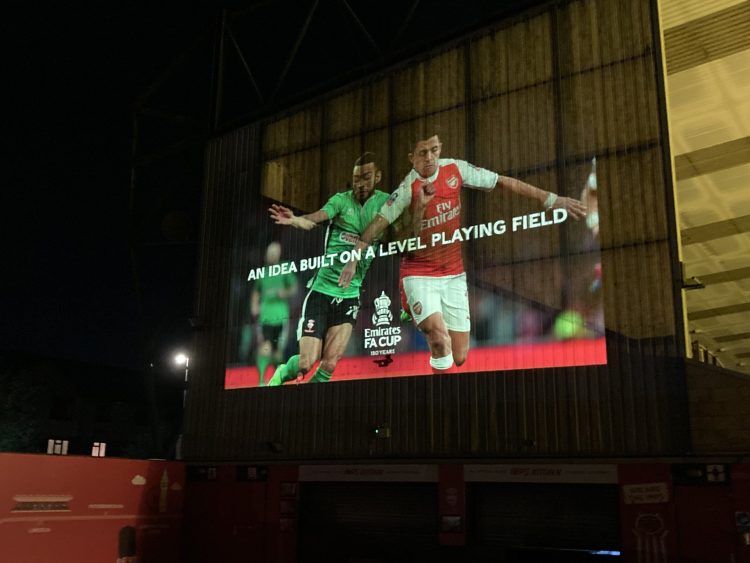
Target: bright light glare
x=180, y=359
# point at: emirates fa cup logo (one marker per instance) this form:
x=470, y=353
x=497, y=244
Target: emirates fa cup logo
x=382, y=315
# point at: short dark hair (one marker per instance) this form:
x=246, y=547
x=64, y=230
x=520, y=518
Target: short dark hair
x=423, y=131
x=366, y=158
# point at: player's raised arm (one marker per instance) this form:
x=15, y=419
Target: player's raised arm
x=412, y=223
x=550, y=200
x=372, y=232
x=284, y=216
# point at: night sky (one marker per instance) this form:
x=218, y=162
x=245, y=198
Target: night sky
x=71, y=78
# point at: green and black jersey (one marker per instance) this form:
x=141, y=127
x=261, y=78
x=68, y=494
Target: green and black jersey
x=349, y=219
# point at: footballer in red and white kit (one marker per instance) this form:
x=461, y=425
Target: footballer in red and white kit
x=433, y=278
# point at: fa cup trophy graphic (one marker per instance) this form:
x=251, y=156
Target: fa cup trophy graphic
x=382, y=315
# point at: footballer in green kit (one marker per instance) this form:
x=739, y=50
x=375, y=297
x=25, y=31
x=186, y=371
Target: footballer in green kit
x=329, y=310
x=269, y=304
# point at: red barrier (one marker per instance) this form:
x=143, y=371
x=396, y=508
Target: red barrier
x=81, y=509
x=231, y=520
x=647, y=513
x=451, y=505
x=741, y=498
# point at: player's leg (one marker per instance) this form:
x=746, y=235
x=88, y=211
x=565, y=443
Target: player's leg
x=281, y=343
x=459, y=345
x=262, y=359
x=309, y=352
x=337, y=338
x=246, y=343
x=405, y=315
x=310, y=333
x=299, y=364
x=455, y=301
x=439, y=341
x=342, y=318
x=269, y=339
x=423, y=297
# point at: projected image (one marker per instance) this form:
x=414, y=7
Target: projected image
x=269, y=330
x=393, y=284
x=440, y=219
x=432, y=278
x=331, y=306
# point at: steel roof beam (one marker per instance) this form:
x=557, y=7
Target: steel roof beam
x=407, y=20
x=712, y=159
x=712, y=231
x=707, y=39
x=244, y=62
x=732, y=337
x=719, y=311
x=361, y=27
x=725, y=276
x=295, y=48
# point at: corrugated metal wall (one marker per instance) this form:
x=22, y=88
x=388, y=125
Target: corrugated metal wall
x=575, y=80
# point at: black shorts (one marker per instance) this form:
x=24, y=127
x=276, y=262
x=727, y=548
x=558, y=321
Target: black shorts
x=271, y=333
x=320, y=312
x=277, y=335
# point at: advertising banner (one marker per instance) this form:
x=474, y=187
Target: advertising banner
x=409, y=226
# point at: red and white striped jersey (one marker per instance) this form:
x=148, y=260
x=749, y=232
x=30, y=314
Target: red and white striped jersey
x=442, y=215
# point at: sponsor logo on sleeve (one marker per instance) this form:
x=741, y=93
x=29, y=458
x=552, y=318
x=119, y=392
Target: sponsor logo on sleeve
x=391, y=199
x=348, y=238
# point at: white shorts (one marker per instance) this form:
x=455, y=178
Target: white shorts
x=447, y=295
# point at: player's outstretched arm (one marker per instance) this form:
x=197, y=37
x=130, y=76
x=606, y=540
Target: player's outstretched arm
x=284, y=216
x=371, y=232
x=574, y=207
x=550, y=200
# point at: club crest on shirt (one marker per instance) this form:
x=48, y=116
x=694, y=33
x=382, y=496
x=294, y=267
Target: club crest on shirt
x=452, y=182
x=310, y=325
